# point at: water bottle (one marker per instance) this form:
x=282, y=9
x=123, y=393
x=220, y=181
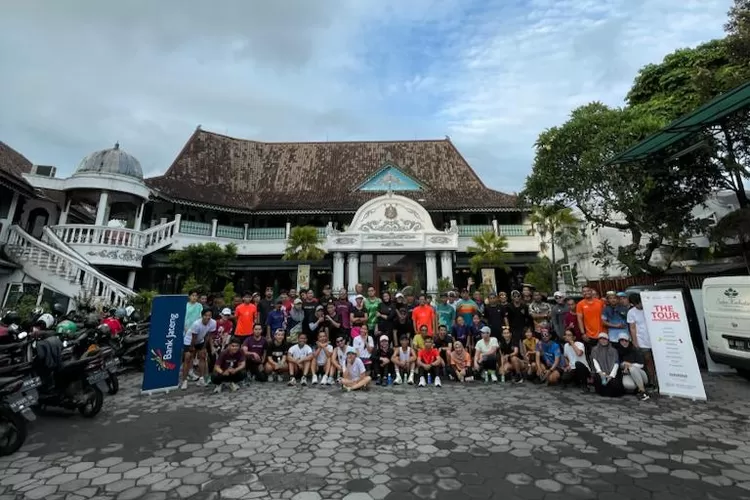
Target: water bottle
x=390, y=379
x=429, y=379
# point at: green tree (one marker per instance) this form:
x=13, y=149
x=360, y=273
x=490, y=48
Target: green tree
x=444, y=285
x=687, y=79
x=143, y=301
x=734, y=227
x=229, y=293
x=556, y=226
x=304, y=244
x=738, y=31
x=489, y=251
x=651, y=200
x=191, y=283
x=206, y=262
x=539, y=274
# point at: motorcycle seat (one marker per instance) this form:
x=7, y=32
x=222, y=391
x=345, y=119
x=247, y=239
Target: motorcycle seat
x=15, y=345
x=77, y=363
x=133, y=339
x=14, y=369
x=6, y=381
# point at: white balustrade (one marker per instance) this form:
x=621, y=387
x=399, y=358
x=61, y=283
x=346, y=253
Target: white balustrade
x=159, y=236
x=82, y=234
x=75, y=270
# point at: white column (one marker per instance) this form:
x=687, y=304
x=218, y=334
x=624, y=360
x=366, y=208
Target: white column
x=139, y=216
x=65, y=211
x=178, y=221
x=446, y=264
x=288, y=229
x=353, y=272
x=338, y=271
x=495, y=227
x=101, y=209
x=247, y=225
x=432, y=276
x=6, y=223
x=131, y=279
x=214, y=227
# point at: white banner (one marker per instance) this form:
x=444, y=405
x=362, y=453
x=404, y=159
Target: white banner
x=303, y=276
x=674, y=356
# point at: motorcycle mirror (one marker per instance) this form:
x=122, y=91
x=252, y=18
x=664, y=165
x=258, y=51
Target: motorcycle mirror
x=22, y=335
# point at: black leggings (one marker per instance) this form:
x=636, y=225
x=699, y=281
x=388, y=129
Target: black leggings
x=613, y=389
x=581, y=374
x=382, y=370
x=431, y=370
x=217, y=379
x=489, y=363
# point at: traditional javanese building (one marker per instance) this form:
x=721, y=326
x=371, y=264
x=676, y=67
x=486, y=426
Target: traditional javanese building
x=401, y=212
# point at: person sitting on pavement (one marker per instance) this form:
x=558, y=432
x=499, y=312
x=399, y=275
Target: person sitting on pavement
x=510, y=357
x=417, y=343
x=608, y=376
x=462, y=332
x=632, y=365
x=195, y=346
x=382, y=365
x=230, y=367
x=276, y=365
x=443, y=343
x=299, y=358
x=365, y=346
x=255, y=348
x=551, y=362
x=576, y=366
x=485, y=355
x=461, y=363
x=428, y=364
x=530, y=355
x=322, y=365
x=355, y=374
x=338, y=359
x=404, y=362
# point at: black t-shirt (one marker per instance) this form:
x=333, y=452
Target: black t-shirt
x=333, y=332
x=275, y=351
x=507, y=347
x=495, y=319
x=439, y=343
x=386, y=325
x=405, y=328
x=380, y=353
x=359, y=313
x=309, y=307
x=518, y=318
x=264, y=307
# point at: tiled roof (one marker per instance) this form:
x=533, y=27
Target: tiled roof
x=12, y=165
x=217, y=170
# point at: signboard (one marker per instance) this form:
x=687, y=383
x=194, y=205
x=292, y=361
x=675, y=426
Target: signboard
x=674, y=356
x=303, y=276
x=488, y=278
x=164, y=354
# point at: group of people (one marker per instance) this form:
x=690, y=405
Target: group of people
x=355, y=339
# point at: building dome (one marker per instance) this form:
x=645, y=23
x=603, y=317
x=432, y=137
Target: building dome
x=111, y=161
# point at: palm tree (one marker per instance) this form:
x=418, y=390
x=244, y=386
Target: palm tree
x=489, y=250
x=735, y=226
x=556, y=226
x=304, y=244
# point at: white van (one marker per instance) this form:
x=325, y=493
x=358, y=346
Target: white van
x=726, y=307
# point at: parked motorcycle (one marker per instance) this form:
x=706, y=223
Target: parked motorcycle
x=95, y=342
x=17, y=395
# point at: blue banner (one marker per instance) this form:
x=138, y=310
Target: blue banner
x=165, y=339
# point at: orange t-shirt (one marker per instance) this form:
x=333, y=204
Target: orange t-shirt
x=592, y=316
x=424, y=315
x=428, y=356
x=246, y=315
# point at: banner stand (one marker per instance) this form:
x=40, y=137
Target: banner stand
x=671, y=345
x=165, y=340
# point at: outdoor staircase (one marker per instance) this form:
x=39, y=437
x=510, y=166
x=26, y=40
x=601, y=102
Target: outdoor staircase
x=161, y=236
x=63, y=269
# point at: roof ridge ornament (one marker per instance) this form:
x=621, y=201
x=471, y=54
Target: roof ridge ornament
x=117, y=144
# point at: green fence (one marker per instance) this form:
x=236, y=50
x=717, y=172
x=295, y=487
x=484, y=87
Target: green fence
x=232, y=232
x=266, y=233
x=193, y=227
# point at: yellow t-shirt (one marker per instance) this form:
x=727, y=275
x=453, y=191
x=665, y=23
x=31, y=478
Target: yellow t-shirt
x=530, y=344
x=417, y=342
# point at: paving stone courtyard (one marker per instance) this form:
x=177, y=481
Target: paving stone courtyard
x=271, y=441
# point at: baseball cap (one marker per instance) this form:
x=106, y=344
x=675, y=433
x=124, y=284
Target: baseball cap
x=611, y=293
x=602, y=335
x=493, y=294
x=319, y=308
x=384, y=338
x=297, y=301
x=351, y=350
x=559, y=295
x=226, y=312
x=399, y=295
x=359, y=296
x=623, y=336
x=485, y=329
x=622, y=294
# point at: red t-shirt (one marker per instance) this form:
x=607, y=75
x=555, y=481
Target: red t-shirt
x=428, y=356
x=224, y=327
x=424, y=316
x=246, y=315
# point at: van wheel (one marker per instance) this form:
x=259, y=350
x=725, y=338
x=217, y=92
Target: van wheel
x=744, y=373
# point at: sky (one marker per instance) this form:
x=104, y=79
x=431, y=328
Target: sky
x=78, y=75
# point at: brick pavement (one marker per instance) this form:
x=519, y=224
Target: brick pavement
x=271, y=441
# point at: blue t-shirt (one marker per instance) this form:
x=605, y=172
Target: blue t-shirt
x=193, y=313
x=446, y=315
x=617, y=315
x=549, y=351
x=460, y=333
x=275, y=320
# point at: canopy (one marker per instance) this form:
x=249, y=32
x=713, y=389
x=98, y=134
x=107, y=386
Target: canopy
x=705, y=116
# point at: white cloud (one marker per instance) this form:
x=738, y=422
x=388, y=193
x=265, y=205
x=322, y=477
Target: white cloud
x=81, y=74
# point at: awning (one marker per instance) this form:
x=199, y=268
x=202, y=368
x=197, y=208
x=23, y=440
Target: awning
x=686, y=126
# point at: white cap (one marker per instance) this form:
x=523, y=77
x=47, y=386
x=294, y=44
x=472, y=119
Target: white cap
x=384, y=337
x=359, y=296
x=226, y=312
x=297, y=300
x=399, y=295
x=485, y=329
x=559, y=294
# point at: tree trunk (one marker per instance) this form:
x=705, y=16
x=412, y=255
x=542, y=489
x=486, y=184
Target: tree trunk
x=735, y=172
x=554, y=267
